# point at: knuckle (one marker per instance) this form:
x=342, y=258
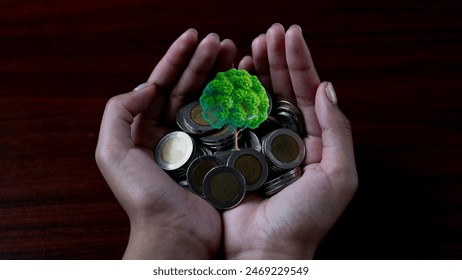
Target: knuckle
x=102, y=156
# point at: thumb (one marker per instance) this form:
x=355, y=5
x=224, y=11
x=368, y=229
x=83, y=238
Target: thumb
x=115, y=133
x=337, y=155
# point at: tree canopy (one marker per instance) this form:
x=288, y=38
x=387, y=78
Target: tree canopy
x=234, y=98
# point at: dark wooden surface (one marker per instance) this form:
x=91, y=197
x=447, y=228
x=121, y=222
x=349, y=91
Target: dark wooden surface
x=396, y=67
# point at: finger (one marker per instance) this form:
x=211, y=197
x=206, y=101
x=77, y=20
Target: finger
x=115, y=133
x=337, y=155
x=167, y=72
x=172, y=65
x=279, y=71
x=246, y=63
x=195, y=73
x=260, y=61
x=225, y=58
x=303, y=75
x=147, y=133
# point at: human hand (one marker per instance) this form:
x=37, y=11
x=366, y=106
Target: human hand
x=163, y=216
x=290, y=224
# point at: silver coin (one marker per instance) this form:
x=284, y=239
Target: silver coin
x=224, y=187
x=174, y=150
x=283, y=148
x=197, y=170
x=252, y=165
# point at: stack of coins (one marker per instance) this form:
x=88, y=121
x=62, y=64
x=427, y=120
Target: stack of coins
x=290, y=116
x=203, y=159
x=218, y=140
x=278, y=183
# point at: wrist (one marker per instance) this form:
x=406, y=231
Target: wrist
x=164, y=242
x=277, y=250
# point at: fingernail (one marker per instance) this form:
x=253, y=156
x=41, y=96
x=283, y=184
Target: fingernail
x=192, y=30
x=330, y=92
x=215, y=35
x=297, y=27
x=277, y=25
x=143, y=85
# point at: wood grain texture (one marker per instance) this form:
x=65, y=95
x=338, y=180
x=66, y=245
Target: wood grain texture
x=396, y=68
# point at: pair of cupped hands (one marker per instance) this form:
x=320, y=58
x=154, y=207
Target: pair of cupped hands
x=169, y=222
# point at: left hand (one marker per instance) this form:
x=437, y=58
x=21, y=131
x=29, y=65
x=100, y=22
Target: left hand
x=167, y=221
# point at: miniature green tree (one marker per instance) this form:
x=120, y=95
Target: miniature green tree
x=236, y=99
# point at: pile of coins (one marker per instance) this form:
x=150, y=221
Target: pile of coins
x=202, y=158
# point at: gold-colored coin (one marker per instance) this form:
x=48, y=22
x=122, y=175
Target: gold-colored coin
x=197, y=171
x=196, y=115
x=224, y=187
x=284, y=149
x=252, y=165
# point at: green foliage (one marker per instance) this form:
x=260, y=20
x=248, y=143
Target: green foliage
x=235, y=98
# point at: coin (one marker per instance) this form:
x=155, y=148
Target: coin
x=252, y=165
x=224, y=187
x=283, y=148
x=189, y=119
x=196, y=115
x=197, y=170
x=174, y=150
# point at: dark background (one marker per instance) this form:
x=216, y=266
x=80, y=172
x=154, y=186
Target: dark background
x=396, y=67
